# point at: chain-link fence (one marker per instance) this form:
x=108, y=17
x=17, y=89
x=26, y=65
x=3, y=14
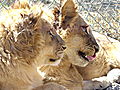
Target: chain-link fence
x=102, y=15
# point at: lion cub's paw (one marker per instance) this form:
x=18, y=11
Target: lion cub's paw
x=107, y=82
x=95, y=84
x=51, y=86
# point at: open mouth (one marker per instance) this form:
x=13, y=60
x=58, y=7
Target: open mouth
x=52, y=60
x=88, y=58
x=59, y=56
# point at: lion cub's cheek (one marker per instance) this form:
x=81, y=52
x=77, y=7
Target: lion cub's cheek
x=48, y=56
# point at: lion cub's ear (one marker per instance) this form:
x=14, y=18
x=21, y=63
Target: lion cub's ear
x=39, y=22
x=19, y=4
x=68, y=11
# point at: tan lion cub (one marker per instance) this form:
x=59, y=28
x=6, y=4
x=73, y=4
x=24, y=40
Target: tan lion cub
x=107, y=58
x=27, y=41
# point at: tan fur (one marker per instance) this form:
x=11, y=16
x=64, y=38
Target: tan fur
x=27, y=41
x=50, y=86
x=64, y=74
x=76, y=40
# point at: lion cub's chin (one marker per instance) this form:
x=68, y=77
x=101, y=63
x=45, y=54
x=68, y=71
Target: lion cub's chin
x=80, y=62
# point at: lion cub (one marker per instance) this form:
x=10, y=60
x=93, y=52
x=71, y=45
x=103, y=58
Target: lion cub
x=27, y=41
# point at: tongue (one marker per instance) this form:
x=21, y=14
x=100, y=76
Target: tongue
x=91, y=58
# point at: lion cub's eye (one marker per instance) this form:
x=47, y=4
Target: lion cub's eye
x=84, y=28
x=51, y=33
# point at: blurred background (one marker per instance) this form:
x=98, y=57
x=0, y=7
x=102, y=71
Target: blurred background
x=102, y=15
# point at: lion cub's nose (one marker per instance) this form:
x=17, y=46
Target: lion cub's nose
x=96, y=48
x=63, y=47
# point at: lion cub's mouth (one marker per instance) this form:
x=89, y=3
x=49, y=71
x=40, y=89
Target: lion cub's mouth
x=53, y=60
x=88, y=58
x=59, y=56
